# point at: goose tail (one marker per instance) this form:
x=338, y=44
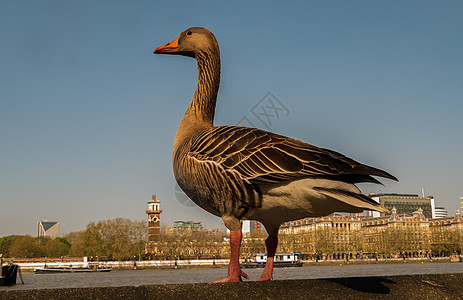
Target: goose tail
x=353, y=199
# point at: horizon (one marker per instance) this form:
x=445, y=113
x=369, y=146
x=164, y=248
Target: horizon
x=222, y=226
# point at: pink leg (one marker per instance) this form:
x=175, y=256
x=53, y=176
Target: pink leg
x=234, y=269
x=271, y=243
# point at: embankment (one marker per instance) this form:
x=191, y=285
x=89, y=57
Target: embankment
x=441, y=286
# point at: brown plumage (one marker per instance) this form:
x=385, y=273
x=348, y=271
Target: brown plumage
x=246, y=173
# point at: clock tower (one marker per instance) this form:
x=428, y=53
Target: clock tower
x=154, y=219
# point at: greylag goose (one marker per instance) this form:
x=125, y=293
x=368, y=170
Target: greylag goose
x=241, y=173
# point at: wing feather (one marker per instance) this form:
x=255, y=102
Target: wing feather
x=261, y=157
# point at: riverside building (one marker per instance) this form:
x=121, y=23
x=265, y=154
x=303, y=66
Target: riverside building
x=405, y=204
x=398, y=235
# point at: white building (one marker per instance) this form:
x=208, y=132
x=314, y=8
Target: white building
x=440, y=212
x=248, y=226
x=48, y=229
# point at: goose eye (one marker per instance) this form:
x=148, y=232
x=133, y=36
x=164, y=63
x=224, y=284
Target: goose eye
x=189, y=33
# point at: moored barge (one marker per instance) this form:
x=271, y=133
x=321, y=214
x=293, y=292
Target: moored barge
x=258, y=260
x=60, y=269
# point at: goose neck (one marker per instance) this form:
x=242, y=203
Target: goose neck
x=205, y=97
x=200, y=112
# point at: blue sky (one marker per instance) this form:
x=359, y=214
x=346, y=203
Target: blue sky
x=88, y=114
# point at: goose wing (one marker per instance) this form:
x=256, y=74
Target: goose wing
x=260, y=156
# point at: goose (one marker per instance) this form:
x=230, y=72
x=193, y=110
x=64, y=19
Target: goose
x=240, y=173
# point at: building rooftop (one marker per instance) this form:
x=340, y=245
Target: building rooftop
x=396, y=195
x=47, y=224
x=392, y=194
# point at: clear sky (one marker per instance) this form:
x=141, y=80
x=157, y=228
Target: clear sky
x=88, y=114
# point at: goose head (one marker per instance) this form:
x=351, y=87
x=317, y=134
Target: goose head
x=193, y=42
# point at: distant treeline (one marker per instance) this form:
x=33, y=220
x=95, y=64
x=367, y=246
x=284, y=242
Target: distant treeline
x=117, y=239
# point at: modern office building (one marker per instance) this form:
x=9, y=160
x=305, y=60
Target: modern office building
x=183, y=226
x=405, y=204
x=441, y=212
x=48, y=229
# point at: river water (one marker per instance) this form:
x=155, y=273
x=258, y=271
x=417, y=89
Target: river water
x=149, y=277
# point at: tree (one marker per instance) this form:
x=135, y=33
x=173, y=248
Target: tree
x=64, y=241
x=88, y=242
x=71, y=237
x=323, y=241
x=5, y=243
x=55, y=248
x=118, y=239
x=25, y=247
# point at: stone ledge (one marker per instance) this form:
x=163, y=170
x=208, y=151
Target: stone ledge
x=441, y=286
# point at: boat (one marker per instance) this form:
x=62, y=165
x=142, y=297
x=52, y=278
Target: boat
x=70, y=269
x=258, y=260
x=8, y=274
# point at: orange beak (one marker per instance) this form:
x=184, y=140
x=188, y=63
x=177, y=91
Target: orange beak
x=171, y=47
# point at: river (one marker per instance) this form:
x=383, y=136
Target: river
x=171, y=276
